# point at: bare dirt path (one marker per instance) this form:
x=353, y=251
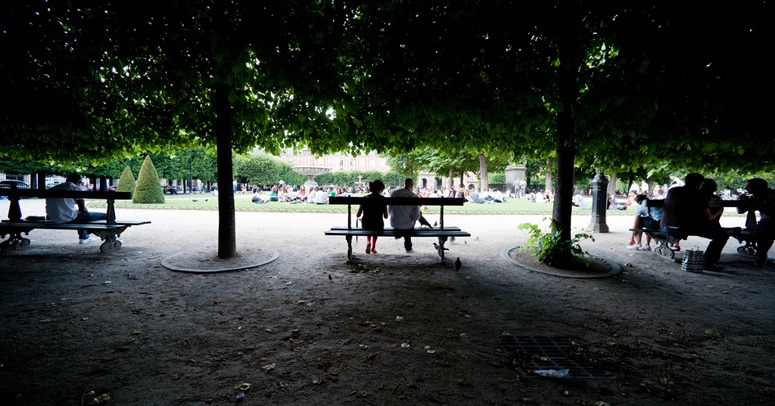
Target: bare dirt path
x=392, y=328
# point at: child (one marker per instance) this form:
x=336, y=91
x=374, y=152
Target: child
x=373, y=214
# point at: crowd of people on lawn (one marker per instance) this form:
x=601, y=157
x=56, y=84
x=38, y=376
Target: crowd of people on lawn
x=686, y=212
x=320, y=194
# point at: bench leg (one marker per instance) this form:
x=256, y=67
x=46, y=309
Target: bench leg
x=663, y=249
x=442, y=240
x=349, y=239
x=110, y=241
x=15, y=240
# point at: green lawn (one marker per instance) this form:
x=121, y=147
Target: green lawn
x=242, y=203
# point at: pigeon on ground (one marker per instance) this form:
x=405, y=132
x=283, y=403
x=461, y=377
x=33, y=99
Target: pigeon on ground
x=437, y=247
x=458, y=264
x=424, y=222
x=435, y=224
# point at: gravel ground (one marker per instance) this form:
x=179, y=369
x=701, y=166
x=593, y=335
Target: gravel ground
x=311, y=328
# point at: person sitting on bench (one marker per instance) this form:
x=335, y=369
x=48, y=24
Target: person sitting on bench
x=686, y=209
x=645, y=217
x=762, y=198
x=403, y=217
x=69, y=210
x=372, y=217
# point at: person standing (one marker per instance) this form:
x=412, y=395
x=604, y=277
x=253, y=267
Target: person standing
x=686, y=209
x=373, y=214
x=522, y=187
x=69, y=210
x=403, y=217
x=761, y=198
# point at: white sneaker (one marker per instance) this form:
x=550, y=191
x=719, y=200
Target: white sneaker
x=645, y=248
x=633, y=247
x=86, y=240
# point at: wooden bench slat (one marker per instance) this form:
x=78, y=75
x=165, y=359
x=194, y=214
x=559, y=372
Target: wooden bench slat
x=57, y=226
x=393, y=233
x=56, y=193
x=711, y=203
x=398, y=201
x=450, y=228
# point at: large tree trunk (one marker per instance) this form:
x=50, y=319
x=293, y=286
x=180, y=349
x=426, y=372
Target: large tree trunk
x=566, y=124
x=548, y=188
x=224, y=125
x=483, y=176
x=227, y=235
x=611, y=184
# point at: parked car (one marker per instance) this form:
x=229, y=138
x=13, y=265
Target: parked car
x=7, y=184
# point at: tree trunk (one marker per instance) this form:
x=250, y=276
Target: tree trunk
x=548, y=188
x=611, y=184
x=566, y=125
x=224, y=126
x=227, y=235
x=484, y=180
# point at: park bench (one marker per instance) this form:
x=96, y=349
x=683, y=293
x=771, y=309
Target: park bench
x=443, y=233
x=667, y=236
x=108, y=230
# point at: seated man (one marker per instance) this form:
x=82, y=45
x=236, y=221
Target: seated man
x=686, y=211
x=762, y=198
x=320, y=196
x=68, y=210
x=403, y=217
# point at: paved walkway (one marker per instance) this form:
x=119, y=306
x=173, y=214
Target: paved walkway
x=174, y=232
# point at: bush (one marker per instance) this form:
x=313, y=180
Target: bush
x=148, y=188
x=126, y=183
x=552, y=250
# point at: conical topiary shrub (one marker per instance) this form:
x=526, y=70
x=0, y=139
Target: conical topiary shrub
x=126, y=183
x=148, y=188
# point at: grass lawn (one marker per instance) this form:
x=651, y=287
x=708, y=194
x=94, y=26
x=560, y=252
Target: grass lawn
x=242, y=203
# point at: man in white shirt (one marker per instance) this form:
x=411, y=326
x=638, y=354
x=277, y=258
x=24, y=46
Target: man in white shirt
x=403, y=217
x=69, y=210
x=320, y=196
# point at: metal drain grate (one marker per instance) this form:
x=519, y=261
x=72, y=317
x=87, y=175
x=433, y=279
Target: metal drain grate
x=544, y=352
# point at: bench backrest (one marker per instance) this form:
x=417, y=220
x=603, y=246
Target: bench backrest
x=399, y=201
x=56, y=193
x=711, y=203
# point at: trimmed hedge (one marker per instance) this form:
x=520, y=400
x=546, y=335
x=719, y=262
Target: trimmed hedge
x=126, y=183
x=148, y=188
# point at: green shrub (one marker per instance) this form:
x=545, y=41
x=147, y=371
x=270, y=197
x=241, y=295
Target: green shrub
x=148, y=188
x=126, y=183
x=552, y=250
